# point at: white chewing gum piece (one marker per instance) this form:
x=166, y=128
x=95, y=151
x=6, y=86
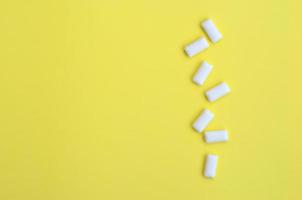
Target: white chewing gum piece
x=210, y=166
x=217, y=92
x=216, y=136
x=203, y=120
x=213, y=33
x=202, y=73
x=196, y=47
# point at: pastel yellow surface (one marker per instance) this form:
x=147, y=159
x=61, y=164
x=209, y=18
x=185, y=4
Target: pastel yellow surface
x=97, y=100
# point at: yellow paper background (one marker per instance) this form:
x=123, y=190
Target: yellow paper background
x=97, y=100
